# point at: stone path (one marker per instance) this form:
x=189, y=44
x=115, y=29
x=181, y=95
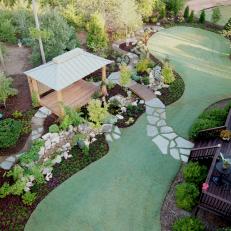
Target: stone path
x=113, y=135
x=163, y=135
x=37, y=131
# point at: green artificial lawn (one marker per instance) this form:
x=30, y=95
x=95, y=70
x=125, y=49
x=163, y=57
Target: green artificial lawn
x=225, y=14
x=122, y=191
x=202, y=59
x=125, y=189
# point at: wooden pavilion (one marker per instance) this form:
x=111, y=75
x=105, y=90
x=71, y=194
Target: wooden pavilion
x=62, y=79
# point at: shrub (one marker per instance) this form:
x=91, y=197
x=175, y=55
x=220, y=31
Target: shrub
x=10, y=131
x=7, y=31
x=133, y=110
x=186, y=13
x=167, y=73
x=202, y=17
x=186, y=196
x=54, y=128
x=125, y=75
x=228, y=25
x=16, y=172
x=191, y=17
x=17, y=115
x=143, y=65
x=34, y=99
x=194, y=173
x=6, y=89
x=26, y=126
x=188, y=223
x=97, y=37
x=4, y=190
x=175, y=5
x=97, y=112
x=145, y=80
x=216, y=15
x=28, y=198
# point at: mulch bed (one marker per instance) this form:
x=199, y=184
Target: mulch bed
x=51, y=119
x=14, y=214
x=20, y=102
x=126, y=48
x=170, y=213
x=116, y=90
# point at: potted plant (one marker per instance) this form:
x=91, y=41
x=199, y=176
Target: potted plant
x=225, y=135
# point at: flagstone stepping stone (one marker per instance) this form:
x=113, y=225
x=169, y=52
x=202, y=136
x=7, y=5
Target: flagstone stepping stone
x=161, y=143
x=109, y=138
x=170, y=136
x=166, y=129
x=115, y=136
x=163, y=115
x=152, y=119
x=185, y=151
x=183, y=143
x=149, y=110
x=152, y=130
x=156, y=103
x=184, y=158
x=6, y=165
x=159, y=110
x=172, y=144
x=45, y=110
x=11, y=159
x=40, y=115
x=107, y=128
x=117, y=130
x=161, y=123
x=156, y=114
x=174, y=152
x=34, y=137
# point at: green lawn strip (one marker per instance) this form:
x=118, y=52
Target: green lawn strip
x=122, y=191
x=201, y=58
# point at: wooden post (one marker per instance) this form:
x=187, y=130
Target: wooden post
x=104, y=73
x=35, y=89
x=60, y=102
x=30, y=85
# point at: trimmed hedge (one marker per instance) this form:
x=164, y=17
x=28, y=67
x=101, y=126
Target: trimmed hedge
x=10, y=131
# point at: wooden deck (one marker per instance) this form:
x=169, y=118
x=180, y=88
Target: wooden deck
x=75, y=96
x=217, y=198
x=142, y=91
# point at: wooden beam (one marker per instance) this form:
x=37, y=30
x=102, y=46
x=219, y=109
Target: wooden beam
x=104, y=73
x=35, y=89
x=30, y=85
x=60, y=102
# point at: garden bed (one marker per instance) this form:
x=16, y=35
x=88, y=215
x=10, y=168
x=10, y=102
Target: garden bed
x=14, y=214
x=51, y=119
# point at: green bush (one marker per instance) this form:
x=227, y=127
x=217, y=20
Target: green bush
x=125, y=75
x=202, y=17
x=7, y=31
x=191, y=17
x=188, y=223
x=4, y=190
x=143, y=65
x=28, y=198
x=168, y=74
x=54, y=128
x=193, y=172
x=145, y=80
x=10, y=131
x=186, y=196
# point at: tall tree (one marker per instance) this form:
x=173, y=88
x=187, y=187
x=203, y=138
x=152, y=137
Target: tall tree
x=202, y=17
x=175, y=5
x=186, y=13
x=191, y=17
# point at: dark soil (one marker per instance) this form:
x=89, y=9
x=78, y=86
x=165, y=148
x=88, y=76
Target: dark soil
x=20, y=102
x=51, y=119
x=126, y=48
x=116, y=90
x=170, y=213
x=14, y=214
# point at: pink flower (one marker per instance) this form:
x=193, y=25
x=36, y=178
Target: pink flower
x=205, y=186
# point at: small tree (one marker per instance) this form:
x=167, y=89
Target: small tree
x=97, y=38
x=228, y=25
x=191, y=17
x=216, y=15
x=125, y=75
x=202, y=17
x=97, y=112
x=6, y=89
x=186, y=13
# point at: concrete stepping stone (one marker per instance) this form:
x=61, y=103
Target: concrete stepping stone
x=117, y=130
x=152, y=131
x=45, y=111
x=184, y=158
x=156, y=114
x=109, y=138
x=170, y=136
x=11, y=159
x=163, y=115
x=149, y=110
x=161, y=123
x=159, y=110
x=183, y=143
x=115, y=136
x=34, y=137
x=161, y=143
x=185, y=152
x=40, y=115
x=166, y=129
x=156, y=103
x=174, y=152
x=152, y=119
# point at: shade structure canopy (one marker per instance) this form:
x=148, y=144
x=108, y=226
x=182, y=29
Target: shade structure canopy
x=67, y=68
